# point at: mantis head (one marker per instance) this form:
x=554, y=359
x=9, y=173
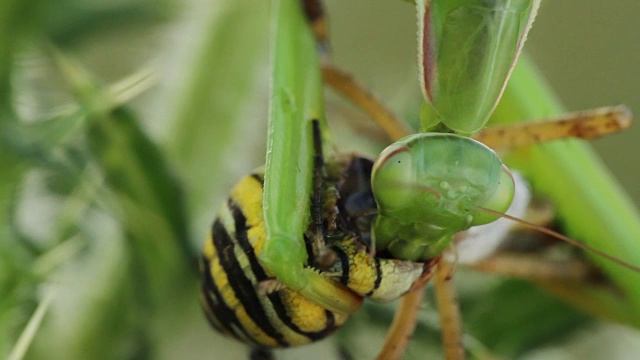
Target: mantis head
x=430, y=186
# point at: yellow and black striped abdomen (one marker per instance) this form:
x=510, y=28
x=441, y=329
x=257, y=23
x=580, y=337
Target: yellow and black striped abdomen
x=231, y=277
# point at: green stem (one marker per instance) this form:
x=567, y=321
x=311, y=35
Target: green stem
x=589, y=202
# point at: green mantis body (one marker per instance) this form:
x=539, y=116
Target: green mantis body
x=502, y=25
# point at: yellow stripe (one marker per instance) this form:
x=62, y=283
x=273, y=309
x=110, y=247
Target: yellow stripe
x=362, y=266
x=248, y=195
x=229, y=297
x=307, y=315
x=209, y=250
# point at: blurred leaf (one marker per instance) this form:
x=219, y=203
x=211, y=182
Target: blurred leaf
x=71, y=21
x=135, y=169
x=100, y=310
x=496, y=316
x=212, y=129
x=16, y=18
x=141, y=192
x=26, y=338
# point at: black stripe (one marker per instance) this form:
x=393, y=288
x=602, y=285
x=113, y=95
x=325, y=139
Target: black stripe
x=241, y=285
x=344, y=260
x=259, y=178
x=260, y=353
x=221, y=311
x=209, y=307
x=241, y=229
x=308, y=246
x=242, y=238
x=330, y=326
x=376, y=285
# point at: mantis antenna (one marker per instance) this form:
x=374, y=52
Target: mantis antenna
x=562, y=237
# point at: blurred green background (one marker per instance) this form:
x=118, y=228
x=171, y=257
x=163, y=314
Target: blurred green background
x=589, y=52
x=198, y=96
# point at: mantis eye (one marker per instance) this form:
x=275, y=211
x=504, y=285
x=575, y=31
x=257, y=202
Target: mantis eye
x=499, y=200
x=394, y=177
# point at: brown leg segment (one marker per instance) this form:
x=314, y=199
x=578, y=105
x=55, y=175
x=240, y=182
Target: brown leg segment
x=344, y=84
x=587, y=124
x=450, y=319
x=404, y=323
x=535, y=267
x=314, y=10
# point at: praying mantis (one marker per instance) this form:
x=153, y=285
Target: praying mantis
x=296, y=95
x=124, y=251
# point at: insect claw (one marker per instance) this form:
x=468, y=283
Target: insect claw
x=270, y=286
